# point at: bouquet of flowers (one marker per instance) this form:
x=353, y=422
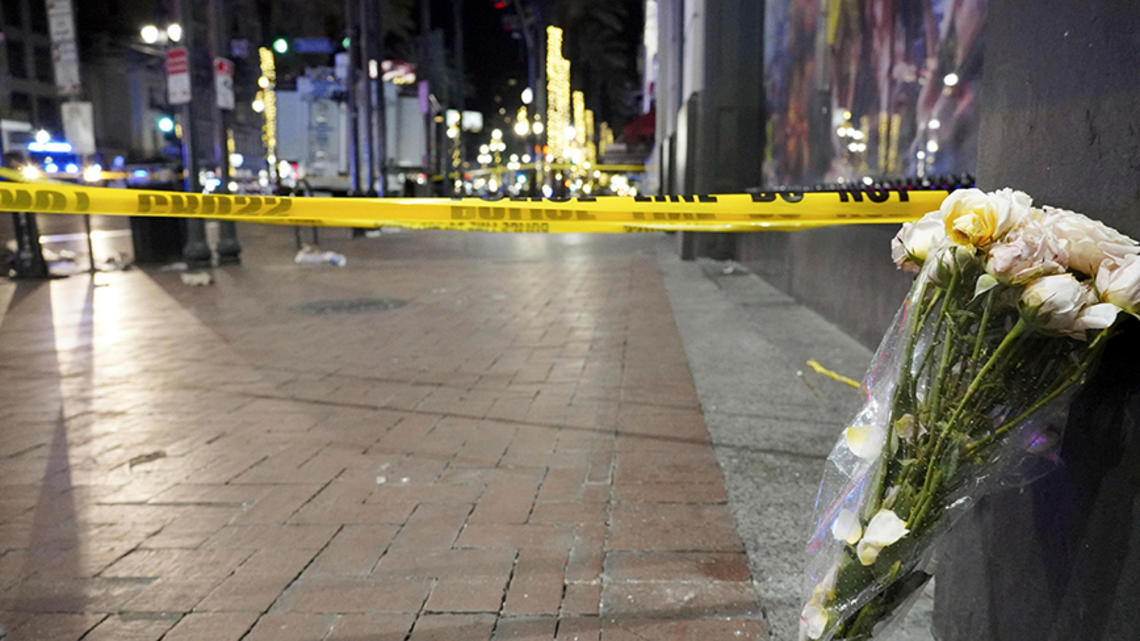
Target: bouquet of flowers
x=1011, y=307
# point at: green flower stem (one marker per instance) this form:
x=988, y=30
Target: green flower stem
x=1007, y=343
x=927, y=501
x=922, y=312
x=982, y=326
x=947, y=345
x=1095, y=349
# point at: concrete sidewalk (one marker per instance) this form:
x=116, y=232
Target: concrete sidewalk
x=456, y=437
x=773, y=420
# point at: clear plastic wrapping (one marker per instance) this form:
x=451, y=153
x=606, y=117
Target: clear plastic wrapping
x=966, y=393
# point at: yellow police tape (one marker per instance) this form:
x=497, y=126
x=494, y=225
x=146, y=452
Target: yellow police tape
x=781, y=211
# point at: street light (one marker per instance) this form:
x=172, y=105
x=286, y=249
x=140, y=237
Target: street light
x=149, y=34
x=527, y=96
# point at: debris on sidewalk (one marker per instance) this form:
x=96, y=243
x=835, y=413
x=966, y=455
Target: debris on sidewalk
x=145, y=458
x=117, y=261
x=197, y=279
x=835, y=376
x=309, y=255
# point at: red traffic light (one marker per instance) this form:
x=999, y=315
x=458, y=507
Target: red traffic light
x=499, y=4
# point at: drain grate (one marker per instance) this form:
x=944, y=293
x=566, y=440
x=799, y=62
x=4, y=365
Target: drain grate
x=347, y=306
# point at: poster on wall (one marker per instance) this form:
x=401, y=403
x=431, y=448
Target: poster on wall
x=878, y=89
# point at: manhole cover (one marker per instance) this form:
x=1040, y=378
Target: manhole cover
x=347, y=306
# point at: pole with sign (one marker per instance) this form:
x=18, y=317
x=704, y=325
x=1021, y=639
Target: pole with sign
x=178, y=76
x=224, y=83
x=179, y=87
x=229, y=249
x=64, y=53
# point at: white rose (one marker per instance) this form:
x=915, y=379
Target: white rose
x=1089, y=241
x=973, y=217
x=885, y=528
x=912, y=244
x=1062, y=304
x=1119, y=284
x=1029, y=251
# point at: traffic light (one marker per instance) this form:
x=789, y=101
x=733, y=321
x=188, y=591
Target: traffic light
x=165, y=124
x=281, y=45
x=499, y=4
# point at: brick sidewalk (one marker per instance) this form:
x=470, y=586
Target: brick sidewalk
x=517, y=452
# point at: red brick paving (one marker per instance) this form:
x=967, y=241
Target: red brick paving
x=517, y=453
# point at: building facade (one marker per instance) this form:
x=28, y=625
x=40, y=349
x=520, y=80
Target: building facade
x=27, y=83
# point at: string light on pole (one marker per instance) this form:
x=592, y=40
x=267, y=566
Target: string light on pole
x=267, y=98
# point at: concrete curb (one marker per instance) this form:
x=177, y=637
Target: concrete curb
x=771, y=418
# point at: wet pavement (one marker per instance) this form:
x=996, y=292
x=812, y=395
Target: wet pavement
x=457, y=436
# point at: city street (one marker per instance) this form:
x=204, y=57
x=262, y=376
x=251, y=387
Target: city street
x=455, y=436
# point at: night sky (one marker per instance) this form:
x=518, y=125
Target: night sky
x=495, y=61
x=492, y=57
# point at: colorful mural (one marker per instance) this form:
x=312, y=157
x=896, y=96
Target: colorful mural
x=885, y=89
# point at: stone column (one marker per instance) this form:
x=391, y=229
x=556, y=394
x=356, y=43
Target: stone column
x=1059, y=560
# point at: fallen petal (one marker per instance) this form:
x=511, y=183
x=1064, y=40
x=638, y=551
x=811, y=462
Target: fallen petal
x=864, y=441
x=813, y=620
x=846, y=527
x=867, y=552
x=884, y=529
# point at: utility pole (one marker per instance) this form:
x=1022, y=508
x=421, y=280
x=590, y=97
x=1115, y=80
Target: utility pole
x=534, y=38
x=381, y=100
x=457, y=12
x=427, y=67
x=366, y=65
x=229, y=250
x=195, y=251
x=351, y=97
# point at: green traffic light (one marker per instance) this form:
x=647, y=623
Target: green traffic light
x=346, y=42
x=166, y=124
x=280, y=45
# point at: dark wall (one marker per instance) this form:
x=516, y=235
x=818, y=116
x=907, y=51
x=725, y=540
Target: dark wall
x=844, y=273
x=1061, y=105
x=1060, y=559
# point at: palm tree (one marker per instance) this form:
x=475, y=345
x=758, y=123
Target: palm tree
x=601, y=41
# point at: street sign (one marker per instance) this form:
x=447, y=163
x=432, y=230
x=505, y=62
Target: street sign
x=178, y=76
x=313, y=45
x=64, y=53
x=239, y=48
x=340, y=66
x=224, y=83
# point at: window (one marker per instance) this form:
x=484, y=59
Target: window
x=47, y=114
x=21, y=106
x=17, y=61
x=41, y=58
x=13, y=15
x=39, y=16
